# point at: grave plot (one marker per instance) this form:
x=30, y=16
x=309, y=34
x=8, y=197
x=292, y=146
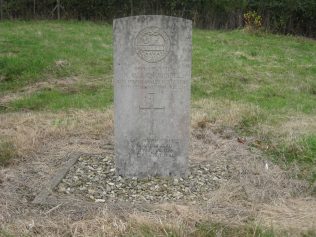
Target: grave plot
x=95, y=179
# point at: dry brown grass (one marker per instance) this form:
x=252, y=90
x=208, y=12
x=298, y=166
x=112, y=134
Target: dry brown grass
x=290, y=214
x=68, y=84
x=225, y=113
x=30, y=131
x=296, y=126
x=222, y=113
x=30, y=89
x=256, y=192
x=105, y=221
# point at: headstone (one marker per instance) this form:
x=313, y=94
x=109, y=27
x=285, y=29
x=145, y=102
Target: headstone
x=152, y=81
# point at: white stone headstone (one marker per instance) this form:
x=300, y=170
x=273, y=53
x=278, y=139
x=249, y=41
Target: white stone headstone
x=152, y=81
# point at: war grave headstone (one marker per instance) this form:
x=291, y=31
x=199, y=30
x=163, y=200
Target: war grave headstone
x=152, y=67
x=152, y=80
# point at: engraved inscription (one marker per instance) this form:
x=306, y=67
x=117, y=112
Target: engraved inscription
x=155, y=147
x=154, y=84
x=152, y=44
x=151, y=108
x=153, y=77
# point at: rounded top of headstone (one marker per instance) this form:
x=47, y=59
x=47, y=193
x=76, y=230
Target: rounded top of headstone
x=153, y=17
x=151, y=36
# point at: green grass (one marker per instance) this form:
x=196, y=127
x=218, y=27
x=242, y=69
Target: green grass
x=5, y=234
x=29, y=51
x=214, y=230
x=58, y=100
x=305, y=150
x=202, y=230
x=275, y=74
x=302, y=152
x=7, y=152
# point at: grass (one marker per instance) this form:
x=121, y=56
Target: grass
x=58, y=100
x=7, y=152
x=200, y=230
x=5, y=234
x=261, y=85
x=304, y=150
x=301, y=152
x=274, y=74
x=214, y=230
x=30, y=51
x=277, y=73
x=205, y=229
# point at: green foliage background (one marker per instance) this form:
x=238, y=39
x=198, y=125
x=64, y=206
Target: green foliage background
x=283, y=16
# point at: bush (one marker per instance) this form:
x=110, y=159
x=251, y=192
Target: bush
x=253, y=21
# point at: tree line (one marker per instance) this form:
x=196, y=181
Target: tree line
x=282, y=16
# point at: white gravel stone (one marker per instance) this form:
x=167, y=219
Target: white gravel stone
x=91, y=177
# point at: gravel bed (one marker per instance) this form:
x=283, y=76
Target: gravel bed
x=94, y=177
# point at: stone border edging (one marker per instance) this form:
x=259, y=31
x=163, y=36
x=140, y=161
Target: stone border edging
x=57, y=178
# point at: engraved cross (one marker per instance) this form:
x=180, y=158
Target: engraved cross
x=152, y=109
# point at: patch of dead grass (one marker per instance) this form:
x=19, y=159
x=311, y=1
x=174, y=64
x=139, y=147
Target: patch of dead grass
x=48, y=84
x=68, y=84
x=297, y=126
x=29, y=131
x=290, y=214
x=105, y=221
x=256, y=191
x=269, y=133
x=223, y=113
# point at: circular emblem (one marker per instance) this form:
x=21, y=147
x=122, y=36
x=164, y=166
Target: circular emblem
x=152, y=44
